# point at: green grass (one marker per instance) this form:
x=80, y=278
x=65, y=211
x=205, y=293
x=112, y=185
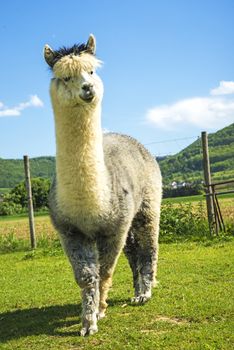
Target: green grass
x=196, y=198
x=191, y=308
x=4, y=190
x=186, y=199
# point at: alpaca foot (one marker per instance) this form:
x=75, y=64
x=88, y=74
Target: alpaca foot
x=88, y=331
x=155, y=283
x=89, y=325
x=101, y=314
x=140, y=299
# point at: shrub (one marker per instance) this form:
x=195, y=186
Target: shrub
x=8, y=207
x=11, y=243
x=40, y=191
x=183, y=222
x=15, y=202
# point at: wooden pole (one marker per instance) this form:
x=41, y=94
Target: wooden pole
x=207, y=178
x=30, y=202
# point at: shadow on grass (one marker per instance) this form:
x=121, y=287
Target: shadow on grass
x=118, y=302
x=56, y=320
x=47, y=320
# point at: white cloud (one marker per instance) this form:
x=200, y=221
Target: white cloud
x=224, y=88
x=34, y=101
x=204, y=112
x=9, y=113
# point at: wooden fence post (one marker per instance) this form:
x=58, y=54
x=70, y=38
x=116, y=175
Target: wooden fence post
x=207, y=178
x=30, y=202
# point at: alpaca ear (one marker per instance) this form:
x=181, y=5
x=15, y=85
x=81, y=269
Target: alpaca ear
x=49, y=55
x=91, y=44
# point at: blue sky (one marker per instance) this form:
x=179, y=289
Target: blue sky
x=168, y=69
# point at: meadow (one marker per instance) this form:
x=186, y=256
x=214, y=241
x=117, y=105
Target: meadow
x=191, y=308
x=15, y=228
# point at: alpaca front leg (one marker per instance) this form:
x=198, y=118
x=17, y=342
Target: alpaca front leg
x=83, y=257
x=90, y=301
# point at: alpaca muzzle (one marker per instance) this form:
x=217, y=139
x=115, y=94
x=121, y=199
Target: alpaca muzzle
x=87, y=93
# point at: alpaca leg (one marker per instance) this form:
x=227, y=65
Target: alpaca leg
x=142, y=252
x=83, y=257
x=105, y=284
x=131, y=251
x=109, y=251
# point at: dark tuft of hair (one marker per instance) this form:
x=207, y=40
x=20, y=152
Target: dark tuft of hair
x=76, y=49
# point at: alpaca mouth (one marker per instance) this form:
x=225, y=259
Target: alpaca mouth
x=87, y=97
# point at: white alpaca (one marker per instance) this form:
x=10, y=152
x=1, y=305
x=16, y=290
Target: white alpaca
x=107, y=191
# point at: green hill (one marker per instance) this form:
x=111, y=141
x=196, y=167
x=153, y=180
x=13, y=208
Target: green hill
x=187, y=164
x=12, y=170
x=184, y=166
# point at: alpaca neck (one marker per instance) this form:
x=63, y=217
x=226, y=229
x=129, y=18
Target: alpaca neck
x=81, y=173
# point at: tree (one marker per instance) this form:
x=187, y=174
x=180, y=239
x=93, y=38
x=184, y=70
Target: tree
x=15, y=201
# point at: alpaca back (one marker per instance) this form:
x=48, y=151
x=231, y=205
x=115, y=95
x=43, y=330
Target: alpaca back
x=132, y=168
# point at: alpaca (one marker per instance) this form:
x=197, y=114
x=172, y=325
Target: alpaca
x=106, y=194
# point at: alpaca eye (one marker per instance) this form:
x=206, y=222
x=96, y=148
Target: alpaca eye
x=91, y=72
x=66, y=79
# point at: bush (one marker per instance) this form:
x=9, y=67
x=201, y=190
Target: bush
x=183, y=222
x=16, y=202
x=40, y=191
x=10, y=208
x=11, y=243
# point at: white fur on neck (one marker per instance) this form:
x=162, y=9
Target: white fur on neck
x=82, y=189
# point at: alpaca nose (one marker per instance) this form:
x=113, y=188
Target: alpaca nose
x=87, y=92
x=87, y=87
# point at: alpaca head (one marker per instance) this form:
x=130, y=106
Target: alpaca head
x=75, y=82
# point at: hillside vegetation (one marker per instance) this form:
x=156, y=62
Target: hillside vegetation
x=12, y=170
x=187, y=164
x=184, y=166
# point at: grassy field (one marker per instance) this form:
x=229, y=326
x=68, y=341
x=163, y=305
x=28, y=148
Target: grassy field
x=40, y=305
x=226, y=203
x=191, y=308
x=199, y=197
x=17, y=226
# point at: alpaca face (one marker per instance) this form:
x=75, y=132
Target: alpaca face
x=75, y=82
x=75, y=85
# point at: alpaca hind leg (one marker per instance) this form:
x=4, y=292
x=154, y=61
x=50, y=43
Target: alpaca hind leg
x=83, y=257
x=109, y=251
x=143, y=253
x=105, y=285
x=130, y=250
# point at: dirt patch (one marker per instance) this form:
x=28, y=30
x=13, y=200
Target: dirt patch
x=172, y=320
x=146, y=331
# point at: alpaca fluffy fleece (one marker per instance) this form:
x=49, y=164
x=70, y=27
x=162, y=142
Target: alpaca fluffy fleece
x=107, y=192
